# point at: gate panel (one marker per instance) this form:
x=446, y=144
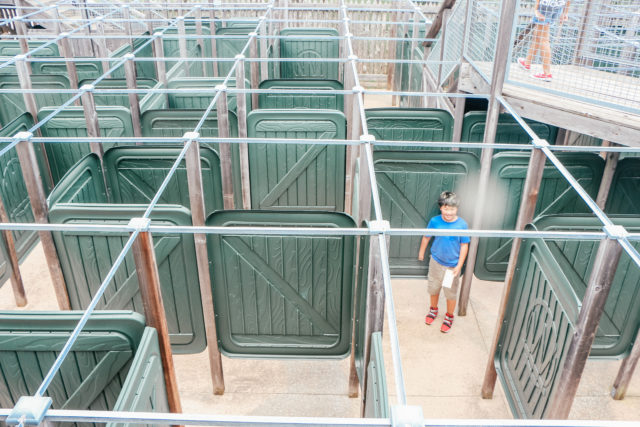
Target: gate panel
x=625, y=188
x=230, y=47
x=286, y=176
x=136, y=173
x=302, y=100
x=409, y=184
x=113, y=122
x=12, y=104
x=508, y=172
x=409, y=124
x=538, y=327
x=281, y=296
x=308, y=48
x=121, y=99
x=203, y=93
x=86, y=258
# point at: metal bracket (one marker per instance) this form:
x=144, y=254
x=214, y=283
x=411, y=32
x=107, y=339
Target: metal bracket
x=23, y=136
x=221, y=88
x=540, y=143
x=140, y=224
x=87, y=88
x=368, y=138
x=357, y=89
x=379, y=227
x=352, y=57
x=239, y=56
x=615, y=231
x=406, y=416
x=191, y=135
x=129, y=57
x=30, y=410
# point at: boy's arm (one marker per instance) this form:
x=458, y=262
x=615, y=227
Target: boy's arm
x=464, y=250
x=423, y=247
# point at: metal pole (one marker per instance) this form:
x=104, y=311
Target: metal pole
x=134, y=103
x=225, y=148
x=607, y=177
x=32, y=107
x=241, y=107
x=67, y=52
x=598, y=287
x=255, y=77
x=625, y=373
x=31, y=175
x=147, y=271
x=525, y=215
x=182, y=44
x=196, y=198
x=16, y=278
x=497, y=82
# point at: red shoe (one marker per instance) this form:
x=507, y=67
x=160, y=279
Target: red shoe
x=542, y=76
x=433, y=313
x=447, y=324
x=523, y=64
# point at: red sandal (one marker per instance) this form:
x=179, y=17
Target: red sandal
x=447, y=323
x=433, y=313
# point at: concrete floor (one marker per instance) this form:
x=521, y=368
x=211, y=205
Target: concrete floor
x=442, y=372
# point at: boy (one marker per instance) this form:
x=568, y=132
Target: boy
x=447, y=253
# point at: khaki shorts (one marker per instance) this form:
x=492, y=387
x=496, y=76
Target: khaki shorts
x=436, y=274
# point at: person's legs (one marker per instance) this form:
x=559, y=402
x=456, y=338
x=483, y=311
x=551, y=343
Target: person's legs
x=545, y=49
x=434, y=300
x=535, y=45
x=451, y=306
x=436, y=274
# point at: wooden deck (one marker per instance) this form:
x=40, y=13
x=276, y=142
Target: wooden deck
x=561, y=108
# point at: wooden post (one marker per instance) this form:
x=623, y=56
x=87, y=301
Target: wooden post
x=255, y=76
x=627, y=368
x=598, y=287
x=67, y=51
x=182, y=43
x=21, y=31
x=9, y=243
x=32, y=108
x=391, y=46
x=225, y=147
x=375, y=305
x=31, y=175
x=134, y=103
x=161, y=65
x=397, y=82
x=149, y=18
x=458, y=119
x=199, y=40
x=126, y=12
x=147, y=271
x=352, y=150
x=497, y=82
x=212, y=30
x=101, y=42
x=93, y=127
x=348, y=101
x=196, y=198
x=414, y=44
x=443, y=43
x=525, y=215
x=607, y=177
x=264, y=65
x=241, y=107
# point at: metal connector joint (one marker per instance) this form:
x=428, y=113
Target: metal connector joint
x=540, y=143
x=406, y=416
x=30, y=410
x=368, y=138
x=191, y=136
x=23, y=136
x=140, y=224
x=379, y=227
x=615, y=231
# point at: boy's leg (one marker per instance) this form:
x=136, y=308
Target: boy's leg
x=451, y=295
x=436, y=274
x=451, y=306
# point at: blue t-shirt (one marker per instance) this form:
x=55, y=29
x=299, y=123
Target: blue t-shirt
x=446, y=249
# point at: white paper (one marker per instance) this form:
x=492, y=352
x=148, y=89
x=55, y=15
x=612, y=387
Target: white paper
x=447, y=281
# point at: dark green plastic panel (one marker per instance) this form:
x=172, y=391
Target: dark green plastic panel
x=136, y=173
x=624, y=195
x=409, y=184
x=509, y=131
x=121, y=99
x=415, y=84
x=82, y=184
x=301, y=100
x=114, y=121
x=12, y=48
x=621, y=318
x=306, y=48
x=13, y=190
x=282, y=296
x=203, y=93
x=538, y=327
x=409, y=124
x=12, y=104
x=86, y=257
x=287, y=176
x=377, y=399
x=508, y=172
x=114, y=364
x=402, y=51
x=87, y=68
x=171, y=49
x=144, y=69
x=230, y=47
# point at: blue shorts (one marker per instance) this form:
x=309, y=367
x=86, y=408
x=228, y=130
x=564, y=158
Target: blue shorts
x=550, y=14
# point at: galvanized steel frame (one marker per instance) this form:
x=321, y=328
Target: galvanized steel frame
x=365, y=142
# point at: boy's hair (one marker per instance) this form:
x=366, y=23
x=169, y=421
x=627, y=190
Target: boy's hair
x=448, y=198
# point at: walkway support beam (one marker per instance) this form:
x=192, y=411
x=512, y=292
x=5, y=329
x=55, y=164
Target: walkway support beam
x=497, y=82
x=625, y=373
x=598, y=287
